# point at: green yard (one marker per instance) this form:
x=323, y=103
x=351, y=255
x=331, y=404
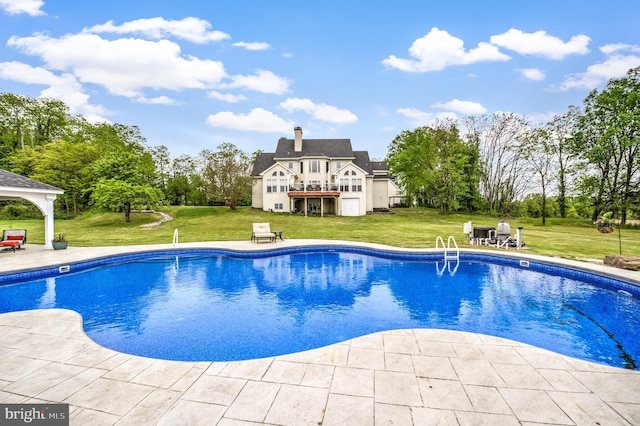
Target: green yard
x=573, y=239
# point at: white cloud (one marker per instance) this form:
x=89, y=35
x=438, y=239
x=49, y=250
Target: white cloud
x=421, y=118
x=322, y=111
x=191, y=29
x=463, y=107
x=541, y=44
x=257, y=120
x=263, y=81
x=257, y=45
x=612, y=48
x=64, y=87
x=158, y=100
x=123, y=66
x=616, y=65
x=227, y=97
x=532, y=73
x=16, y=7
x=438, y=50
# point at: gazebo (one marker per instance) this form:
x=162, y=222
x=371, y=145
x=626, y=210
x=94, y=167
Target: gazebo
x=13, y=186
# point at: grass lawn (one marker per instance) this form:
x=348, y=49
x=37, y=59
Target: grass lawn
x=413, y=227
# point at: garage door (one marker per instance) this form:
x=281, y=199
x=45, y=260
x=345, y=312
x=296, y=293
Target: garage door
x=350, y=207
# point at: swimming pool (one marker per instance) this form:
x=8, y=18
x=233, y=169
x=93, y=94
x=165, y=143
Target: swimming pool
x=215, y=305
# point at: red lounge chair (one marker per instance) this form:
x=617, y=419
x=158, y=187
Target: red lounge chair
x=13, y=239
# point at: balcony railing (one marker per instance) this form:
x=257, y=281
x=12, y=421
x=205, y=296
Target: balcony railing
x=313, y=187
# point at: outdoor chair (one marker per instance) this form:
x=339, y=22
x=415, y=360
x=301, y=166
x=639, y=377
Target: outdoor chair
x=13, y=239
x=262, y=231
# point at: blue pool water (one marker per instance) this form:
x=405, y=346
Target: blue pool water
x=224, y=307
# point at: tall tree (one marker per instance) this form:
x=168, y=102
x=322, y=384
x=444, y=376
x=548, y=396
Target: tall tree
x=607, y=142
x=502, y=181
x=435, y=166
x=67, y=165
x=561, y=130
x=228, y=174
x=538, y=151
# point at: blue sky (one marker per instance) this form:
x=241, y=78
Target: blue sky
x=194, y=74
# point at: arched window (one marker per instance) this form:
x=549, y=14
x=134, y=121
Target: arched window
x=274, y=174
x=353, y=172
x=346, y=173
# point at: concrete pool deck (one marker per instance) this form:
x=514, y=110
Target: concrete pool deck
x=417, y=376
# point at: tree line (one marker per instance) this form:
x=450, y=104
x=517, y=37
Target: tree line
x=110, y=167
x=583, y=162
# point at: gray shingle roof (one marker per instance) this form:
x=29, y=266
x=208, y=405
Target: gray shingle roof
x=362, y=160
x=264, y=160
x=332, y=148
x=8, y=179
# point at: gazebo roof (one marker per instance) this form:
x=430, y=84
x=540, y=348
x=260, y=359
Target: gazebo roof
x=12, y=180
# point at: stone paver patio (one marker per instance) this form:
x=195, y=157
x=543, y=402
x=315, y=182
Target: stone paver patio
x=401, y=377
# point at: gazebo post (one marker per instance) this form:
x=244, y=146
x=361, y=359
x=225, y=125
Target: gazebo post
x=48, y=221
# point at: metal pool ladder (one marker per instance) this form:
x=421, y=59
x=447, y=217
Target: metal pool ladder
x=175, y=237
x=448, y=256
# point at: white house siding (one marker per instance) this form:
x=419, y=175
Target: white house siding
x=257, y=202
x=380, y=194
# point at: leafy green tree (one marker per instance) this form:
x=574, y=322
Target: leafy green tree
x=435, y=166
x=228, y=174
x=69, y=166
x=607, y=142
x=123, y=184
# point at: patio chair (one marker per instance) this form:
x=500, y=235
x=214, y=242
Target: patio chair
x=13, y=239
x=262, y=231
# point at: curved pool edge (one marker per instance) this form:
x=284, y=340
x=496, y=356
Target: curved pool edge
x=36, y=262
x=391, y=372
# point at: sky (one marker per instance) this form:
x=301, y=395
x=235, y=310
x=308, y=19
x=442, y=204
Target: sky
x=194, y=74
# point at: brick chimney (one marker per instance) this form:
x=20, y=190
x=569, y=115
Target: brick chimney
x=297, y=144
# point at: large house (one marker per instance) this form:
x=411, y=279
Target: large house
x=318, y=177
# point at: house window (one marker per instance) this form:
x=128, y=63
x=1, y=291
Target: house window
x=356, y=185
x=346, y=173
x=353, y=172
x=274, y=174
x=290, y=165
x=338, y=164
x=344, y=185
x=283, y=185
x=301, y=167
x=272, y=185
x=277, y=206
x=314, y=166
